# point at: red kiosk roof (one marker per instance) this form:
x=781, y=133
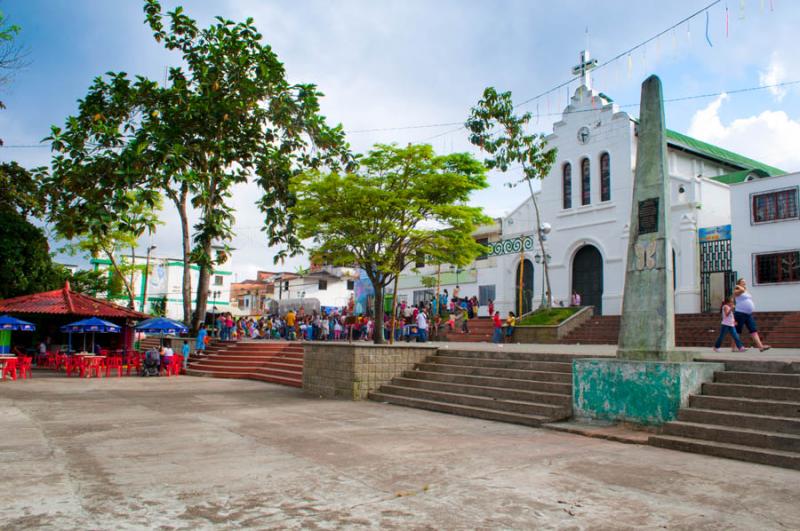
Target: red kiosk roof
x=66, y=302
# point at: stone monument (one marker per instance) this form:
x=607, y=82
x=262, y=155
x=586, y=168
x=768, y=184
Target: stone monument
x=649, y=380
x=647, y=330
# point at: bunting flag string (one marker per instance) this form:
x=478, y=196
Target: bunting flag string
x=726, y=21
x=708, y=39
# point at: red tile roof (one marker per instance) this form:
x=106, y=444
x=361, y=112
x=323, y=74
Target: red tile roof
x=66, y=302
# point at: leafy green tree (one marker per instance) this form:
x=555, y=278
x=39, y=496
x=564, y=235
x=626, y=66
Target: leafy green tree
x=402, y=202
x=89, y=281
x=122, y=221
x=27, y=265
x=226, y=115
x=20, y=189
x=495, y=128
x=12, y=54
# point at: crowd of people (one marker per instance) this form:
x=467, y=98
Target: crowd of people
x=419, y=322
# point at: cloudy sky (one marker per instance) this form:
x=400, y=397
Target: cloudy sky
x=386, y=64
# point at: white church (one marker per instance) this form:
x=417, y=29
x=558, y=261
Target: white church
x=586, y=199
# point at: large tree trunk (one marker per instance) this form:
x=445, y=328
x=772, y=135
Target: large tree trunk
x=378, y=312
x=394, y=310
x=202, y=289
x=132, y=304
x=186, y=287
x=549, y=295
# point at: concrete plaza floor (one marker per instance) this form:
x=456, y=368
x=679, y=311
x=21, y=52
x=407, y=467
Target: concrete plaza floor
x=197, y=453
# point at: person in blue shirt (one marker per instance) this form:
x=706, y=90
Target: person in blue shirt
x=200, y=343
x=185, y=351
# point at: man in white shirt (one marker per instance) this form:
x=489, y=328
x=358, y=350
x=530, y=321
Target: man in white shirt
x=422, y=327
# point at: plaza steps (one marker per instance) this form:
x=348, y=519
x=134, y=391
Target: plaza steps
x=276, y=362
x=778, y=329
x=480, y=330
x=750, y=412
x=516, y=387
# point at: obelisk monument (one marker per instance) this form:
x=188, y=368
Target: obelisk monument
x=647, y=330
x=648, y=381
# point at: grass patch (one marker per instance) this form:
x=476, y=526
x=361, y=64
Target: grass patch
x=553, y=316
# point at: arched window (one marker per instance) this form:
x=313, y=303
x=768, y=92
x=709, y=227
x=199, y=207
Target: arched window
x=566, y=185
x=586, y=183
x=605, y=177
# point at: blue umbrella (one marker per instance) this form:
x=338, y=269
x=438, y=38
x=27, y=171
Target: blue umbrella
x=93, y=324
x=162, y=325
x=7, y=324
x=12, y=323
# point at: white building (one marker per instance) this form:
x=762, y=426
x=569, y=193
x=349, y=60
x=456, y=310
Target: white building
x=163, y=284
x=586, y=198
x=331, y=286
x=765, y=224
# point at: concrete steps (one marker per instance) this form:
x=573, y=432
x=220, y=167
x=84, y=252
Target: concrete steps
x=528, y=389
x=480, y=330
x=275, y=362
x=751, y=415
x=779, y=329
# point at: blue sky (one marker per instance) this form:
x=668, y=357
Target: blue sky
x=385, y=64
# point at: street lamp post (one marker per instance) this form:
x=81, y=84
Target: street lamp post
x=146, y=271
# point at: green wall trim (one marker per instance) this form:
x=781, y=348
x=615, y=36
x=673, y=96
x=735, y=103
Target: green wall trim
x=179, y=263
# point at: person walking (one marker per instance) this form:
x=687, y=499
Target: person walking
x=728, y=326
x=497, y=337
x=185, y=351
x=200, y=342
x=422, y=327
x=743, y=314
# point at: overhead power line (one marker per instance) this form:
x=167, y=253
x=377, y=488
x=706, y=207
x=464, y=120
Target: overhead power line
x=557, y=113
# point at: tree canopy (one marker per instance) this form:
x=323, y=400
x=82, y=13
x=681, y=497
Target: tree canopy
x=27, y=265
x=225, y=115
x=496, y=129
x=401, y=203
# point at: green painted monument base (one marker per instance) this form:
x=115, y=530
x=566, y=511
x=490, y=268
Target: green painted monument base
x=644, y=392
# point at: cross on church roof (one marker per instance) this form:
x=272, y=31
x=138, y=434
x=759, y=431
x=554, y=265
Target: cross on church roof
x=586, y=64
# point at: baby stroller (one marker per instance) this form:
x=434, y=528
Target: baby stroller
x=152, y=363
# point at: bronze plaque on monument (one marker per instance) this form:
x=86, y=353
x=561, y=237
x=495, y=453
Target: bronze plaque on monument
x=648, y=215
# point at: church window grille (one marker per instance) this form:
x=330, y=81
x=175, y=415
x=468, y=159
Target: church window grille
x=605, y=177
x=778, y=268
x=485, y=293
x=567, y=185
x=775, y=206
x=586, y=183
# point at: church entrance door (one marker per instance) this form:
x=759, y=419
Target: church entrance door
x=526, y=293
x=587, y=277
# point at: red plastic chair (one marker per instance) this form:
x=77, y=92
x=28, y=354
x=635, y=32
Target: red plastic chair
x=10, y=369
x=134, y=362
x=60, y=361
x=114, y=363
x=24, y=367
x=93, y=366
x=74, y=364
x=177, y=364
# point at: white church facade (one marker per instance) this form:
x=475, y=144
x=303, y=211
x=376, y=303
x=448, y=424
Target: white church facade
x=586, y=200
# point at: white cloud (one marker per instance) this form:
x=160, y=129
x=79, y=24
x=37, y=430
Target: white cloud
x=775, y=74
x=771, y=136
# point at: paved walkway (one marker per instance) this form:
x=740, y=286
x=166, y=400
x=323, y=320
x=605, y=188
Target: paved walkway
x=201, y=453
